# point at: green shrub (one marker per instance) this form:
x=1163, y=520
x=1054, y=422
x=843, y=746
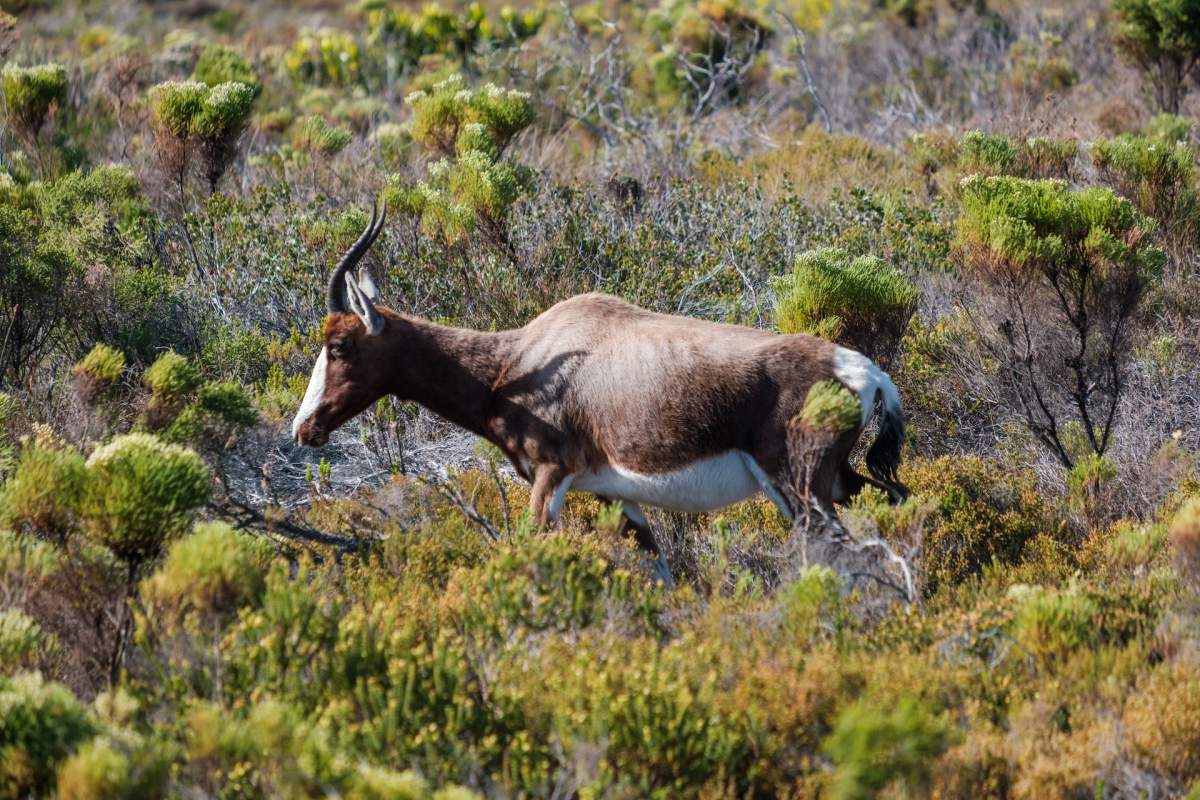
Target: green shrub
x=99, y=370
x=1025, y=240
x=475, y=191
x=208, y=119
x=220, y=64
x=220, y=409
x=172, y=377
x=30, y=93
x=125, y=767
x=1086, y=482
x=984, y=515
x=1158, y=177
x=830, y=406
x=1035, y=157
x=1162, y=38
x=139, y=491
x=393, y=142
x=318, y=136
x=211, y=573
x=815, y=595
x=1170, y=128
x=41, y=724
x=21, y=641
x=176, y=103
x=44, y=493
x=1052, y=623
x=860, y=302
x=874, y=747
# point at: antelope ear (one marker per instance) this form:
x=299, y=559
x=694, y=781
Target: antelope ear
x=361, y=305
x=368, y=286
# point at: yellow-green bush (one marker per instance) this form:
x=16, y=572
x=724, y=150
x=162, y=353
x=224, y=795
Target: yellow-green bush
x=118, y=767
x=1158, y=177
x=21, y=641
x=325, y=56
x=211, y=572
x=44, y=492
x=41, y=724
x=861, y=301
x=874, y=747
x=30, y=93
x=139, y=491
x=983, y=515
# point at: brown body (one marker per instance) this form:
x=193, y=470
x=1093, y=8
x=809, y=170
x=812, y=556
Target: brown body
x=633, y=405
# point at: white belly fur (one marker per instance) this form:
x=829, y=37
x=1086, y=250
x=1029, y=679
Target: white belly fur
x=703, y=486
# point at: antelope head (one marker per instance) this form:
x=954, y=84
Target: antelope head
x=346, y=379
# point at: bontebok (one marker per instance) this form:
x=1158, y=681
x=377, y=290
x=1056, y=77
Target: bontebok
x=597, y=395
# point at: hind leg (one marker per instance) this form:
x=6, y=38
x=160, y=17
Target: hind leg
x=635, y=522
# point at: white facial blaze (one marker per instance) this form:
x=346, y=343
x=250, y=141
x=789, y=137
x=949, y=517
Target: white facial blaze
x=313, y=396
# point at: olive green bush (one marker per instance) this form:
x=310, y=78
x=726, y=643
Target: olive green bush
x=475, y=191
x=1068, y=266
x=219, y=64
x=98, y=371
x=1158, y=176
x=139, y=492
x=31, y=93
x=209, y=573
x=316, y=135
x=41, y=725
x=120, y=767
x=983, y=516
x=1162, y=39
x=44, y=491
x=873, y=747
x=860, y=302
x=208, y=119
x=829, y=406
x=21, y=641
x=1034, y=157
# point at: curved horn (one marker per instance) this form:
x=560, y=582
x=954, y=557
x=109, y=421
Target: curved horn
x=337, y=283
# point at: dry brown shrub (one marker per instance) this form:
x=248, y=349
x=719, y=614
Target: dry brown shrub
x=1162, y=721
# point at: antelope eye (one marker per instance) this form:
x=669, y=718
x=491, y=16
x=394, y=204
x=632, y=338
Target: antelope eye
x=337, y=349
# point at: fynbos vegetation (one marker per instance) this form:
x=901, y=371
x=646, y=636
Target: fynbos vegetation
x=976, y=575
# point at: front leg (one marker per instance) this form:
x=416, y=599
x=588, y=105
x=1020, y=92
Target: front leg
x=550, y=485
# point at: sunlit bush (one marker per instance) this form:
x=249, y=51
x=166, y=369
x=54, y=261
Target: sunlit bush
x=99, y=370
x=31, y=93
x=1026, y=239
x=984, y=515
x=41, y=724
x=119, y=767
x=1158, y=176
x=318, y=136
x=191, y=115
x=325, y=56
x=140, y=491
x=860, y=302
x=209, y=573
x=1052, y=623
x=44, y=492
x=1035, y=157
x=1163, y=720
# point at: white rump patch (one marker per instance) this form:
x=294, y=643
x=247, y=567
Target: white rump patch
x=860, y=374
x=703, y=486
x=312, y=396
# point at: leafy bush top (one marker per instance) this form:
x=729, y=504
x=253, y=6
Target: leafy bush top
x=1045, y=225
x=212, y=570
x=103, y=363
x=441, y=112
x=41, y=724
x=30, y=92
x=190, y=108
x=139, y=491
x=859, y=301
x=172, y=376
